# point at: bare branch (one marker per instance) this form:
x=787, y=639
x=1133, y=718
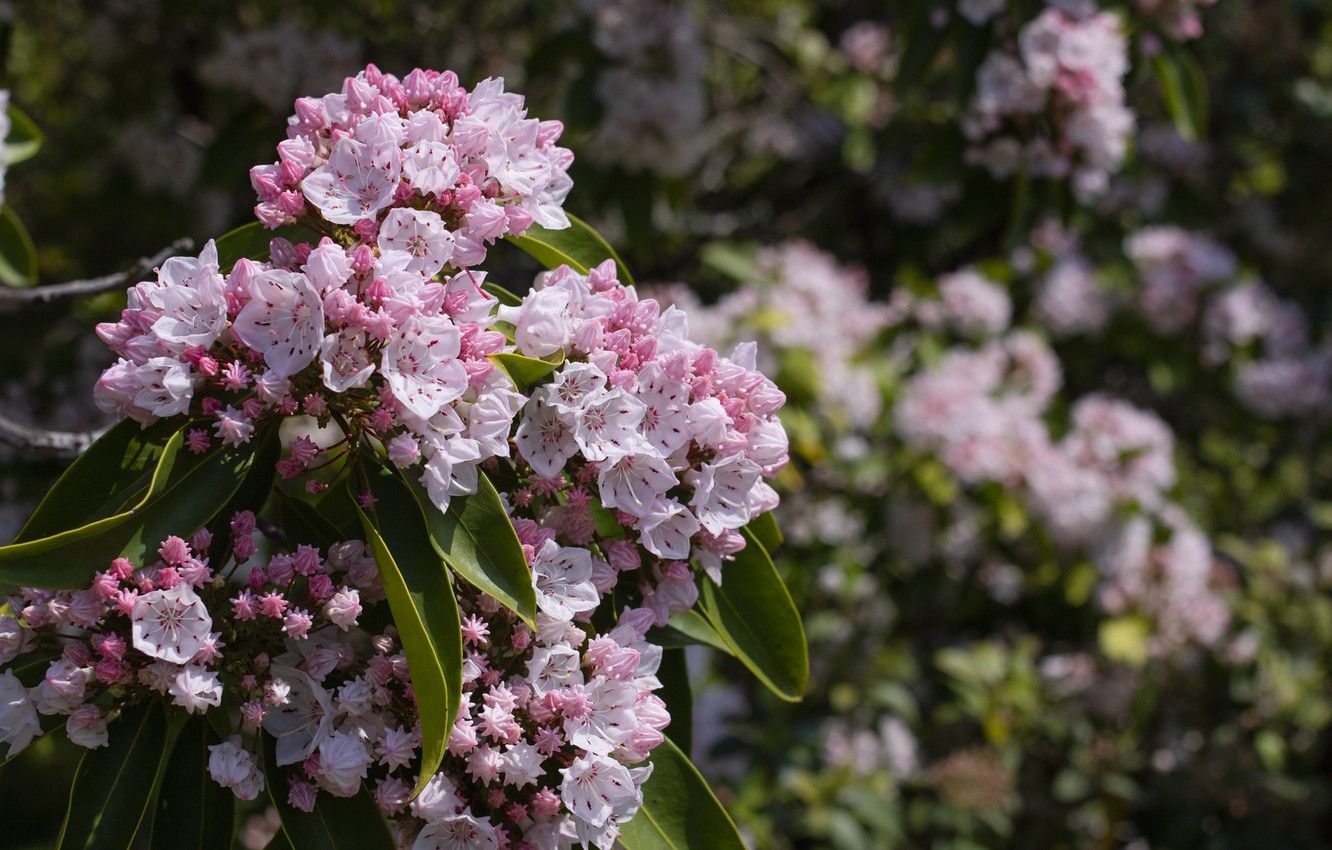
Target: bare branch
x=13, y=296
x=37, y=442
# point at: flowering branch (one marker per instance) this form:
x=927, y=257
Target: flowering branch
x=94, y=285
x=42, y=443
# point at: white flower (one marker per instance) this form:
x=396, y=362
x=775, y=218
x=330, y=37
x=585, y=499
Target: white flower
x=437, y=800
x=458, y=832
x=541, y=322
x=18, y=716
x=170, y=624
x=343, y=608
x=14, y=639
x=522, y=765
x=357, y=181
x=545, y=435
x=595, y=786
x=196, y=689
x=666, y=528
x=420, y=364
x=343, y=760
x=232, y=766
x=722, y=492
x=303, y=721
x=607, y=425
x=62, y=689
x=345, y=360
x=430, y=167
x=284, y=320
x=563, y=577
x=190, y=296
x=421, y=235
x=632, y=483
x=86, y=727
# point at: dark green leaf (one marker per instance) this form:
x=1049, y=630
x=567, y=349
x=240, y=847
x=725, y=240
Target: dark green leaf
x=765, y=528
x=303, y=523
x=18, y=256
x=577, y=246
x=250, y=241
x=185, y=493
x=679, y=811
x=115, y=785
x=688, y=628
x=476, y=539
x=525, y=372
x=337, y=823
x=115, y=468
x=678, y=696
x=420, y=595
x=753, y=612
x=25, y=137
x=193, y=811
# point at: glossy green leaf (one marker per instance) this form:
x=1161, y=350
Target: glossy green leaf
x=303, y=523
x=25, y=137
x=765, y=528
x=678, y=696
x=193, y=812
x=753, y=612
x=337, y=823
x=115, y=785
x=116, y=467
x=420, y=595
x=250, y=241
x=688, y=628
x=525, y=372
x=476, y=539
x=679, y=811
x=577, y=246
x=185, y=492
x=18, y=256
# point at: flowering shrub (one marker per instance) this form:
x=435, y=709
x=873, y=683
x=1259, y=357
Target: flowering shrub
x=515, y=494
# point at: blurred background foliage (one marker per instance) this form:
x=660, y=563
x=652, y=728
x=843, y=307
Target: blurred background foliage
x=979, y=682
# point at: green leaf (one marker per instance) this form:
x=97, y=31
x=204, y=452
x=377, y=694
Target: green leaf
x=25, y=137
x=577, y=246
x=115, y=785
x=185, y=492
x=678, y=696
x=113, y=469
x=525, y=372
x=765, y=528
x=679, y=811
x=1184, y=90
x=250, y=241
x=337, y=823
x=420, y=596
x=18, y=256
x=688, y=628
x=476, y=539
x=193, y=812
x=303, y=523
x=753, y=612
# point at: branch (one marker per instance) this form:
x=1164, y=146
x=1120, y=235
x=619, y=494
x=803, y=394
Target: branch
x=41, y=443
x=10, y=296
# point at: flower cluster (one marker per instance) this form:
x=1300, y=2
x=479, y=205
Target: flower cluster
x=175, y=628
x=550, y=736
x=365, y=338
x=1067, y=73
x=671, y=440
x=1102, y=489
x=470, y=165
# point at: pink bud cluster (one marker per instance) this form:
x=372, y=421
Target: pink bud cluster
x=161, y=629
x=1066, y=74
x=470, y=162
